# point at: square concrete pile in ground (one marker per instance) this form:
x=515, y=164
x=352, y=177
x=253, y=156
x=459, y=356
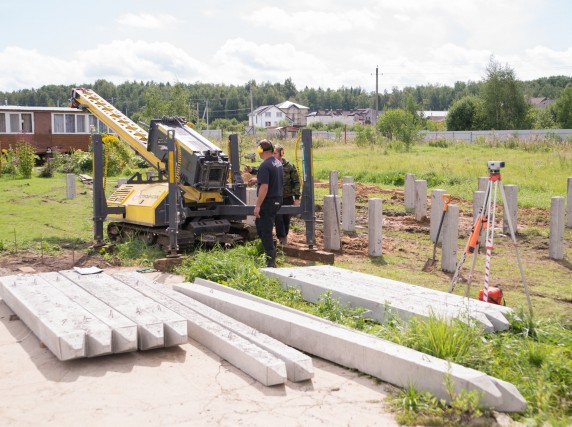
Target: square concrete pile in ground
x=383, y=297
x=385, y=360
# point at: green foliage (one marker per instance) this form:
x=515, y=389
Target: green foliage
x=542, y=118
x=26, y=158
x=504, y=104
x=230, y=101
x=365, y=135
x=563, y=108
x=134, y=252
x=466, y=114
x=400, y=124
x=317, y=126
x=438, y=142
x=48, y=169
x=9, y=161
x=228, y=125
x=448, y=339
x=335, y=125
x=435, y=126
x=238, y=268
x=422, y=408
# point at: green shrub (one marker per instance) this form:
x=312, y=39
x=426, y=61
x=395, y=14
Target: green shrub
x=438, y=142
x=48, y=169
x=9, y=161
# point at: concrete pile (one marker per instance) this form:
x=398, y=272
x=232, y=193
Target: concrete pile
x=385, y=297
x=77, y=315
x=85, y=315
x=387, y=361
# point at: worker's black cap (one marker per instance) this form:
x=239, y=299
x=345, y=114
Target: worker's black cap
x=265, y=145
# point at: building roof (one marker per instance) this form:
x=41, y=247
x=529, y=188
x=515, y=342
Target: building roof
x=289, y=104
x=53, y=109
x=541, y=102
x=434, y=114
x=261, y=109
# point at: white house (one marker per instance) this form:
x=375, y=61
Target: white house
x=268, y=116
x=360, y=115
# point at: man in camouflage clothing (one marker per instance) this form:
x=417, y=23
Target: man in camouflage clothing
x=290, y=195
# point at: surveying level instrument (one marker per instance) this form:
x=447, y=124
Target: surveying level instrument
x=486, y=219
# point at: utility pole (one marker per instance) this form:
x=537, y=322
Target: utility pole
x=376, y=93
x=251, y=110
x=207, y=110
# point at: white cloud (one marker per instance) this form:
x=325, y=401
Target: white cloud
x=24, y=68
x=240, y=61
x=118, y=61
x=146, y=20
x=128, y=59
x=310, y=22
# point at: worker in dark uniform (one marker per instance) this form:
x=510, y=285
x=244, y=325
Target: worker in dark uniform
x=290, y=193
x=269, y=198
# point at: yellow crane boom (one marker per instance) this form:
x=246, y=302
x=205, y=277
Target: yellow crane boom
x=127, y=130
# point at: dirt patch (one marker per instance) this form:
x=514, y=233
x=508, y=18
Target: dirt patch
x=33, y=262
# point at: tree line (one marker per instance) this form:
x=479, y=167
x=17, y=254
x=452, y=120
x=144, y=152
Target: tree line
x=498, y=101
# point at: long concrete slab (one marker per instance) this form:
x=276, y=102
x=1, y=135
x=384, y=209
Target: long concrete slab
x=124, y=331
x=385, y=360
x=67, y=329
x=240, y=352
x=157, y=325
x=299, y=366
x=384, y=297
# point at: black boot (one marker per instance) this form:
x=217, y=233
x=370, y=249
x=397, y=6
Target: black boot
x=271, y=259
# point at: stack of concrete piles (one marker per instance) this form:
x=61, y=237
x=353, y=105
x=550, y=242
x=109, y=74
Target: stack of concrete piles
x=384, y=297
x=382, y=359
x=78, y=315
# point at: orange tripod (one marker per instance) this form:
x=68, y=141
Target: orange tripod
x=486, y=220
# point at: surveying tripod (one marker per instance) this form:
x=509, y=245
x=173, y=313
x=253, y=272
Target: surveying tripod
x=486, y=219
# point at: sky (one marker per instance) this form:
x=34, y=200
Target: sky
x=318, y=43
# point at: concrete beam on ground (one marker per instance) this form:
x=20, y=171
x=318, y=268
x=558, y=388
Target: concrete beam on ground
x=67, y=329
x=157, y=326
x=299, y=366
x=387, y=361
x=124, y=331
x=384, y=296
x=241, y=352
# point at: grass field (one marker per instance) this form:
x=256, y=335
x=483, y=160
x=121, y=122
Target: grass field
x=37, y=208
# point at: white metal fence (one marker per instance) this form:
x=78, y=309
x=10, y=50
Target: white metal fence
x=488, y=135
